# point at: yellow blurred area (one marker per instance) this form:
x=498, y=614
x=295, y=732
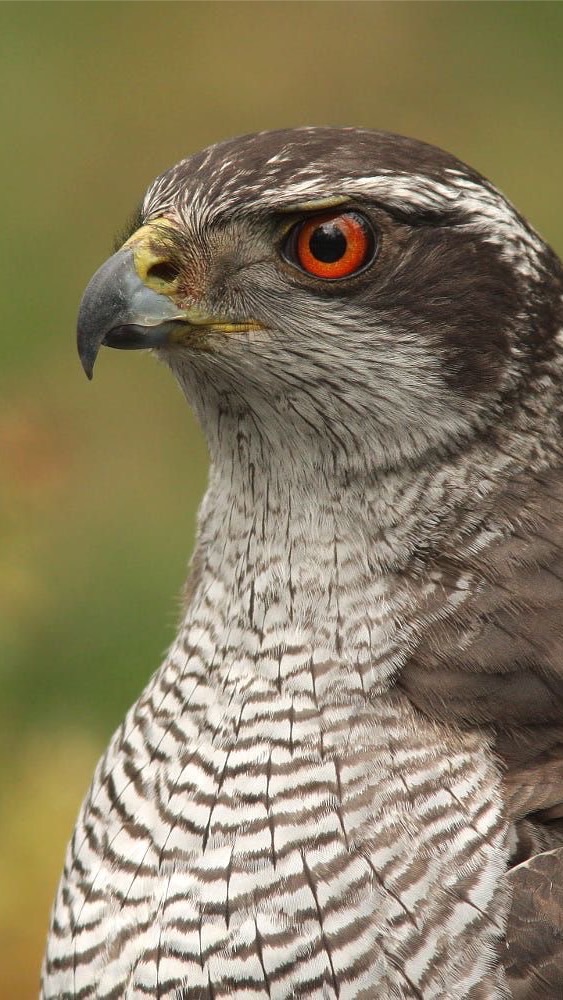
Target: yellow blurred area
x=99, y=483
x=38, y=807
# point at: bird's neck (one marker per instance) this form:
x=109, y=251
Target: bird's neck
x=319, y=590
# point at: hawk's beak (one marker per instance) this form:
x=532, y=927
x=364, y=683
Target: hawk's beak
x=128, y=303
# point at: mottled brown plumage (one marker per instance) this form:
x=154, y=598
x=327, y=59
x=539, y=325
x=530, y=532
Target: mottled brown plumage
x=346, y=779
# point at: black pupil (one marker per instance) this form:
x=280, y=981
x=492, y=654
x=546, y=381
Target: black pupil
x=328, y=243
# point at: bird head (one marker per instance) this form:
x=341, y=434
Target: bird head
x=342, y=291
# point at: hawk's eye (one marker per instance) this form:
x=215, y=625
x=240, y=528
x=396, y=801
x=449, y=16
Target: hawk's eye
x=332, y=245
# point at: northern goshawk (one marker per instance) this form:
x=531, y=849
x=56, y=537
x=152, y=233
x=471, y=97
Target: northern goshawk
x=346, y=779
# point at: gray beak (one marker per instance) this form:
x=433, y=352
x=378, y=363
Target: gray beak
x=119, y=310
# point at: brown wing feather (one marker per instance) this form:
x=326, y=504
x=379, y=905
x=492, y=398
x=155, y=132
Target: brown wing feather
x=497, y=662
x=534, y=945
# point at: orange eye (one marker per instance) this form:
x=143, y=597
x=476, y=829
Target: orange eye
x=333, y=245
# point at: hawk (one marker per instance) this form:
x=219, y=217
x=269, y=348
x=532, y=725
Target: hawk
x=346, y=779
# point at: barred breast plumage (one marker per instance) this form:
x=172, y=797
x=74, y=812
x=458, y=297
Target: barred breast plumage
x=345, y=780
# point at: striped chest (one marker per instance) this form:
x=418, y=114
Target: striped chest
x=305, y=865
x=273, y=818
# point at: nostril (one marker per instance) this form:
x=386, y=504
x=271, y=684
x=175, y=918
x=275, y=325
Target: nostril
x=164, y=270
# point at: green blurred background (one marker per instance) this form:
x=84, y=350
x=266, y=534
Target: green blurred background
x=99, y=483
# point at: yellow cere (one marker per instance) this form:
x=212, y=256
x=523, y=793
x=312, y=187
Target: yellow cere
x=146, y=258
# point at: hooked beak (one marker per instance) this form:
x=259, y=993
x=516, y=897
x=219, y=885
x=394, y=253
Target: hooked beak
x=119, y=310
x=129, y=303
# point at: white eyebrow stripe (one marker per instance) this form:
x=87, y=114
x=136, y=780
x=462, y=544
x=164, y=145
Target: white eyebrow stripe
x=485, y=209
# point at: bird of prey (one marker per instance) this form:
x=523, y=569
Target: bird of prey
x=346, y=779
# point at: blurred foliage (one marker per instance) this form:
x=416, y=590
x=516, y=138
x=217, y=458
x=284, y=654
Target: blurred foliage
x=99, y=484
